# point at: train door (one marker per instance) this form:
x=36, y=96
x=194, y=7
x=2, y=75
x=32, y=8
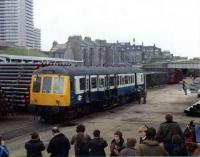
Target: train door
x=87, y=89
x=101, y=85
x=140, y=80
x=107, y=86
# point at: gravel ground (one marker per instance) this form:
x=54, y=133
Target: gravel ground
x=127, y=118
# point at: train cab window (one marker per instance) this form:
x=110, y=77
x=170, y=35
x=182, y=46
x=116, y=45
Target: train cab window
x=46, y=88
x=126, y=79
x=94, y=82
x=82, y=83
x=36, y=84
x=58, y=85
x=112, y=81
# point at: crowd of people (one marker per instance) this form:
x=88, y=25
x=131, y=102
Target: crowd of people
x=168, y=140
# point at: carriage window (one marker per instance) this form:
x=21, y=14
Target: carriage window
x=112, y=81
x=46, y=88
x=58, y=85
x=142, y=78
x=82, y=83
x=94, y=82
x=122, y=80
x=36, y=84
x=126, y=79
x=118, y=80
x=101, y=82
x=132, y=79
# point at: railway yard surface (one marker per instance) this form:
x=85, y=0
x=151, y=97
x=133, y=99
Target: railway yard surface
x=127, y=118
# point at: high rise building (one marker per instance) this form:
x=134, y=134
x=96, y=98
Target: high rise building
x=16, y=24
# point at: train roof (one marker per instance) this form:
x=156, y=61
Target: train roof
x=76, y=71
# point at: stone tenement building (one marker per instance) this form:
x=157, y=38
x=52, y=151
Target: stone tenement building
x=101, y=53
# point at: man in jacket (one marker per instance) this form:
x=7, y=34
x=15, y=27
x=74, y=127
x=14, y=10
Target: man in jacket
x=35, y=146
x=150, y=147
x=129, y=150
x=59, y=145
x=97, y=145
x=80, y=129
x=166, y=131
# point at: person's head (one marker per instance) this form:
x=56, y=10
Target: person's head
x=176, y=139
x=55, y=130
x=151, y=133
x=169, y=117
x=117, y=136
x=142, y=131
x=131, y=142
x=80, y=128
x=96, y=133
x=80, y=138
x=34, y=136
x=191, y=124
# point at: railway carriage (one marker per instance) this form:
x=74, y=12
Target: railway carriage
x=58, y=93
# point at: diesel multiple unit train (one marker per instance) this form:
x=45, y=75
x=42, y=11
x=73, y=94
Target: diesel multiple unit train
x=59, y=92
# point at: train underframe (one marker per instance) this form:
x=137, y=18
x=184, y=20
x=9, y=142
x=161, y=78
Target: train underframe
x=59, y=114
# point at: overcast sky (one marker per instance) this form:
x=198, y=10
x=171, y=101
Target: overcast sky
x=171, y=24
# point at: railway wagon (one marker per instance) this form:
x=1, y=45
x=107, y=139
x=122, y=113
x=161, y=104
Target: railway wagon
x=156, y=79
x=59, y=93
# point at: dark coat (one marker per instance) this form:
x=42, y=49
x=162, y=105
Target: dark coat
x=59, y=146
x=180, y=150
x=97, y=146
x=34, y=148
x=167, y=130
x=128, y=151
x=86, y=136
x=150, y=148
x=118, y=146
x=82, y=150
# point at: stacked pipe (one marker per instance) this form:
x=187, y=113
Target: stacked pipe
x=15, y=81
x=193, y=110
x=6, y=107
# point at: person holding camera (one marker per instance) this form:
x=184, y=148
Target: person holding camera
x=3, y=149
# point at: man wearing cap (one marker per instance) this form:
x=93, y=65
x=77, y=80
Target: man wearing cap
x=59, y=145
x=35, y=146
